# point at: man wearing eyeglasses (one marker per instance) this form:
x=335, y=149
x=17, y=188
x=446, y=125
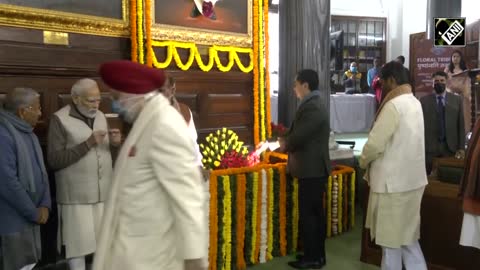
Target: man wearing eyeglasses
x=80, y=152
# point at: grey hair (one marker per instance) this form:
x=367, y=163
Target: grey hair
x=83, y=85
x=20, y=97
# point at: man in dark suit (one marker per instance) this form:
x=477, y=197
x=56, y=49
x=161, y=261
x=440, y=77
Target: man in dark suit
x=443, y=119
x=307, y=145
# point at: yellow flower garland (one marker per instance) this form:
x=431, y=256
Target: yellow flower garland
x=329, y=207
x=262, y=74
x=213, y=225
x=267, y=68
x=172, y=54
x=133, y=30
x=141, y=58
x=271, y=199
x=256, y=108
x=340, y=203
x=295, y=215
x=240, y=218
x=352, y=218
x=283, y=211
x=254, y=217
x=227, y=224
x=148, y=30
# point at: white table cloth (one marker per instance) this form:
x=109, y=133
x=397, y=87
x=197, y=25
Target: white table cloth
x=352, y=113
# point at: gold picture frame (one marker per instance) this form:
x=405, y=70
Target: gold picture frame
x=44, y=19
x=203, y=36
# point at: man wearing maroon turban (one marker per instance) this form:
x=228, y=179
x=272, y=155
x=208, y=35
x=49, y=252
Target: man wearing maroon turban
x=470, y=191
x=155, y=215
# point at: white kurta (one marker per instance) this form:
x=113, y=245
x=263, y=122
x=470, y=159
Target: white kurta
x=155, y=215
x=394, y=218
x=79, y=228
x=470, y=236
x=394, y=154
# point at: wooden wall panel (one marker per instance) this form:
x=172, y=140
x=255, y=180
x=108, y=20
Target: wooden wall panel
x=217, y=99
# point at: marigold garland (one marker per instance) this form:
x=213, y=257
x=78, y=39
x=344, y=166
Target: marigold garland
x=329, y=206
x=232, y=256
x=352, y=195
x=340, y=203
x=148, y=30
x=227, y=224
x=346, y=218
x=133, y=30
x=141, y=58
x=267, y=68
x=270, y=206
x=261, y=58
x=283, y=210
x=259, y=218
x=212, y=251
x=295, y=214
x=256, y=130
x=241, y=215
x=172, y=54
x=255, y=216
x=221, y=213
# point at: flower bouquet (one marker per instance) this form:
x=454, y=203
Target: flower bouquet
x=223, y=150
x=277, y=131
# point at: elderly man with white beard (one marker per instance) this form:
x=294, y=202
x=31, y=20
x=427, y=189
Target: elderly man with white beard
x=80, y=152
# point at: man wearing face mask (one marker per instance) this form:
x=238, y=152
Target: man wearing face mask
x=444, y=125
x=351, y=80
x=80, y=152
x=155, y=214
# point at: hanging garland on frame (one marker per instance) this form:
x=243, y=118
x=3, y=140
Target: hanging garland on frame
x=145, y=53
x=142, y=51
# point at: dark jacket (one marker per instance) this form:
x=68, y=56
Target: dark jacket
x=307, y=140
x=454, y=124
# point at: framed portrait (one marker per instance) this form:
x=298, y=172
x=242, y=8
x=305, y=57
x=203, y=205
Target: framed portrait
x=96, y=17
x=220, y=22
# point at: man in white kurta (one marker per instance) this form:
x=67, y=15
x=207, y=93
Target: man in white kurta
x=80, y=152
x=155, y=215
x=394, y=157
x=470, y=192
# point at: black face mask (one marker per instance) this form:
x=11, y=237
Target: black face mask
x=439, y=88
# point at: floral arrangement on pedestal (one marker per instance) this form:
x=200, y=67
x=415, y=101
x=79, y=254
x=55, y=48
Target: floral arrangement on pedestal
x=223, y=150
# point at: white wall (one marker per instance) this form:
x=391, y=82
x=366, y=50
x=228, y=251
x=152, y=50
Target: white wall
x=470, y=10
x=404, y=17
x=365, y=8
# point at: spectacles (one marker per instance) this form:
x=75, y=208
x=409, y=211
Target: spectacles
x=34, y=109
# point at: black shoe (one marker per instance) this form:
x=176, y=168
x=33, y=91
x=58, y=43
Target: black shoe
x=307, y=265
x=299, y=257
